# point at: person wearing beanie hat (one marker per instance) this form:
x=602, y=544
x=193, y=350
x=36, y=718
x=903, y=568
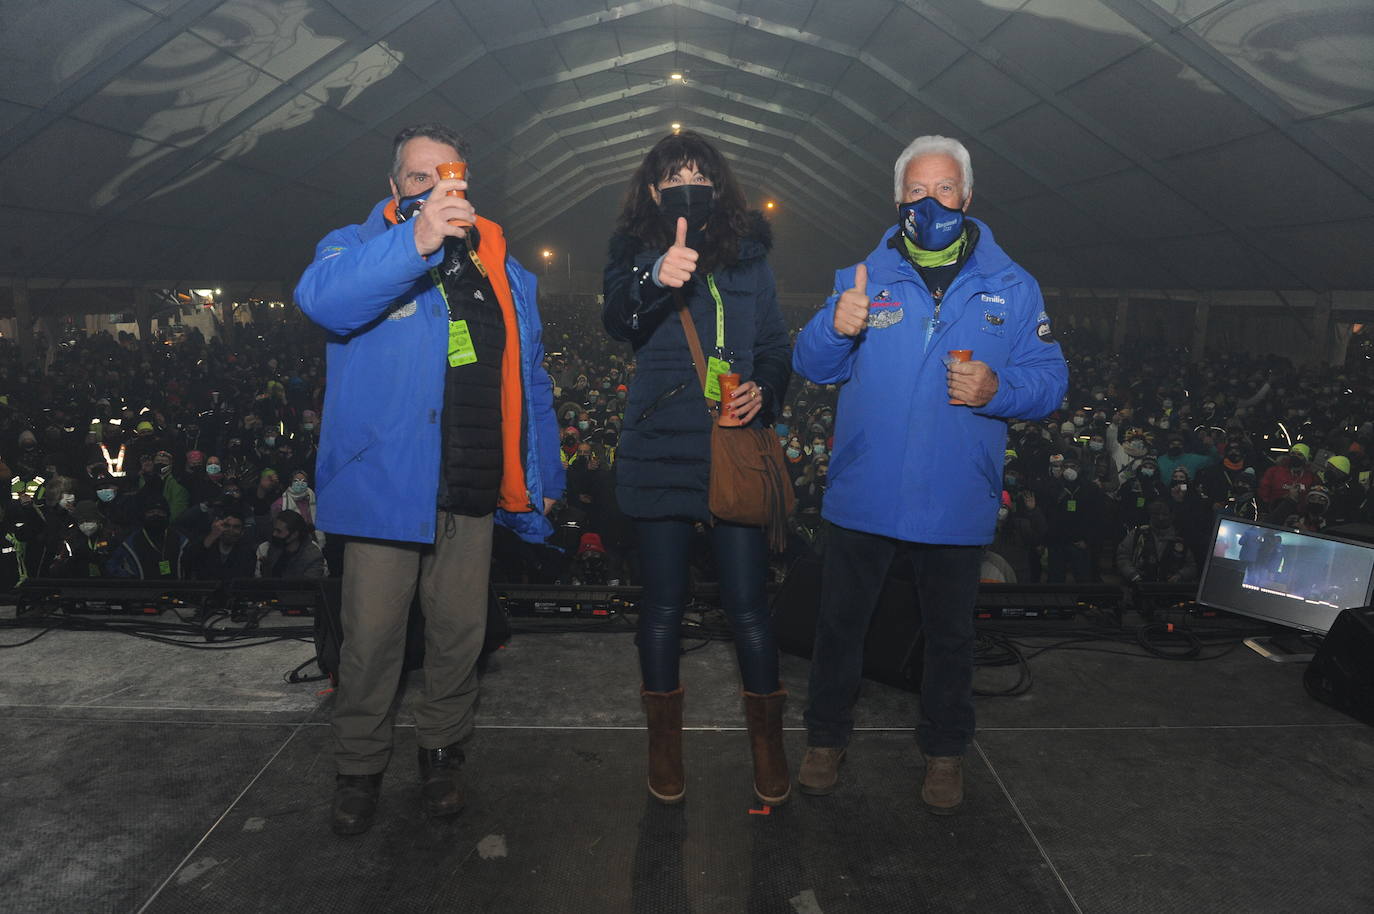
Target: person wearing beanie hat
x=155, y=550
x=1289, y=478
x=1137, y=491
x=571, y=438
x=1225, y=482
x=85, y=548
x=1345, y=490
x=1313, y=513
x=1076, y=510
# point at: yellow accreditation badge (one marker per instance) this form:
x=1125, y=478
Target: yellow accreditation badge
x=714, y=369
x=460, y=348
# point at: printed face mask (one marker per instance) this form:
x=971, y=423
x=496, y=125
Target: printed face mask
x=407, y=207
x=930, y=224
x=88, y=528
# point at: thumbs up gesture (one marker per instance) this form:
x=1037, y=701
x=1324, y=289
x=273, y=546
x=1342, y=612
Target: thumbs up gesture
x=679, y=262
x=851, y=311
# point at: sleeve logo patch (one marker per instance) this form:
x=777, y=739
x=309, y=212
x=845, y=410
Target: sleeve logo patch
x=333, y=250
x=1042, y=330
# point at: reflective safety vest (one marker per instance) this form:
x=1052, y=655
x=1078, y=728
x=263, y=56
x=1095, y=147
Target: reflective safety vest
x=32, y=488
x=115, y=465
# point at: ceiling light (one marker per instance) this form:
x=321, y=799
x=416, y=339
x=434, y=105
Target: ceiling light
x=769, y=205
x=676, y=125
x=677, y=76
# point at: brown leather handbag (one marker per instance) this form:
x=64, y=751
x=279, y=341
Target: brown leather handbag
x=749, y=481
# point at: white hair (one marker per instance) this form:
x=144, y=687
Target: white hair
x=932, y=145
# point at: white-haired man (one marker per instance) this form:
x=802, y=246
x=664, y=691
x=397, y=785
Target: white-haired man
x=938, y=338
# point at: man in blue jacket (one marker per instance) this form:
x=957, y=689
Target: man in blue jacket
x=438, y=417
x=916, y=468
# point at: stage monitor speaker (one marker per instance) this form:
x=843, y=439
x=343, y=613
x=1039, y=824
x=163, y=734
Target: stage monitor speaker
x=893, y=646
x=1341, y=673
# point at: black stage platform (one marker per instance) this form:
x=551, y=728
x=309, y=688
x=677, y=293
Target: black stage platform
x=140, y=777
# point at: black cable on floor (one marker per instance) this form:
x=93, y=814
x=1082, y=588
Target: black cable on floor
x=993, y=650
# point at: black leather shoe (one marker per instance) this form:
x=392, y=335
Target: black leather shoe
x=355, y=802
x=440, y=791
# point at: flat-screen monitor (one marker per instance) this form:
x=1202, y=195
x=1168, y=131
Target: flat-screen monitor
x=1301, y=580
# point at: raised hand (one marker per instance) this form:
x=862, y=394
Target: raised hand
x=679, y=262
x=432, y=223
x=851, y=311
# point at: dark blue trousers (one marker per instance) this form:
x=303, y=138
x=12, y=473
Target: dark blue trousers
x=742, y=560
x=856, y=564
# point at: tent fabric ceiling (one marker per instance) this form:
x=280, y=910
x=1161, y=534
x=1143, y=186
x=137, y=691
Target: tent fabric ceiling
x=1148, y=143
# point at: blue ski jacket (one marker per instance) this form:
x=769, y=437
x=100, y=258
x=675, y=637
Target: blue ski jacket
x=906, y=463
x=377, y=474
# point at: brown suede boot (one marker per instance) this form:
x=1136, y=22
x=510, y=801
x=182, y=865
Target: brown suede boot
x=943, y=789
x=667, y=782
x=763, y=713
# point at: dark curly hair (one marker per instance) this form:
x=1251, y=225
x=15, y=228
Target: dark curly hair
x=640, y=216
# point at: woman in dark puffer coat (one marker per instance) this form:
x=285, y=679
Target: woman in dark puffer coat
x=685, y=230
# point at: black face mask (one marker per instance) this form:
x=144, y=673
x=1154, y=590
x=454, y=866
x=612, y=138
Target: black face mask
x=693, y=202
x=280, y=541
x=155, y=522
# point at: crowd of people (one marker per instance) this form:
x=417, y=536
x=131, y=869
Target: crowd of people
x=180, y=457
x=169, y=458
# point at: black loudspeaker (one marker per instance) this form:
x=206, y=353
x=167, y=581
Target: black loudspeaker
x=893, y=647
x=1341, y=673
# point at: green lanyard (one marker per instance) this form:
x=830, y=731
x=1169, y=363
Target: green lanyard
x=716, y=365
x=720, y=312
x=461, y=350
x=439, y=284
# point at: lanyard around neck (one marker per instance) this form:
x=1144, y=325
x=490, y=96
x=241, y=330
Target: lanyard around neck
x=720, y=312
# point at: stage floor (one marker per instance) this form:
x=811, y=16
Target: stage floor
x=145, y=777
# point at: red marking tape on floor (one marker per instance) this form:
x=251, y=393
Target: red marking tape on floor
x=764, y=811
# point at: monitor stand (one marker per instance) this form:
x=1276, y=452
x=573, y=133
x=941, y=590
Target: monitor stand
x=1285, y=647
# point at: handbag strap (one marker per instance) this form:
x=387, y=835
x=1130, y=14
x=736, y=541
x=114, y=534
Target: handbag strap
x=693, y=343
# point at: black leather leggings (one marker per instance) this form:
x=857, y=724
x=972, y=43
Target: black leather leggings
x=742, y=560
